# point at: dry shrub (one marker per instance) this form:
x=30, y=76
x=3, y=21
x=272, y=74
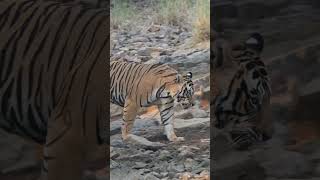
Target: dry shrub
x=201, y=23
x=172, y=12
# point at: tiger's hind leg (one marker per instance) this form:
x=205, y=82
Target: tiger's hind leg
x=129, y=114
x=166, y=109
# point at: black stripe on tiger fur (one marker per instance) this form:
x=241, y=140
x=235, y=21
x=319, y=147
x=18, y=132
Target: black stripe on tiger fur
x=53, y=79
x=136, y=85
x=247, y=95
x=42, y=44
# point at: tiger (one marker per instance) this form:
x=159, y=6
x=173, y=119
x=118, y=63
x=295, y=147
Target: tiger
x=243, y=109
x=53, y=80
x=136, y=85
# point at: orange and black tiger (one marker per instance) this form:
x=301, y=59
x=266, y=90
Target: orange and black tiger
x=53, y=79
x=135, y=85
x=243, y=109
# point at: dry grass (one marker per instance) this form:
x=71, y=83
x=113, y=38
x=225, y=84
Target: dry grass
x=123, y=13
x=201, y=23
x=172, y=12
x=188, y=14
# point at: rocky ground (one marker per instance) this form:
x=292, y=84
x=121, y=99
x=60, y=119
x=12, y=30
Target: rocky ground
x=291, y=29
x=188, y=159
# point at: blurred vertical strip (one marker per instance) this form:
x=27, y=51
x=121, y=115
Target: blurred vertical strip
x=212, y=25
x=106, y=4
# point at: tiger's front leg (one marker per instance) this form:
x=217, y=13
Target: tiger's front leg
x=129, y=114
x=63, y=153
x=166, y=109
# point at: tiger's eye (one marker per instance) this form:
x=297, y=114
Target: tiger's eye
x=250, y=65
x=263, y=72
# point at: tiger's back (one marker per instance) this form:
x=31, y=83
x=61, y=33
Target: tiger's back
x=42, y=44
x=53, y=77
x=139, y=82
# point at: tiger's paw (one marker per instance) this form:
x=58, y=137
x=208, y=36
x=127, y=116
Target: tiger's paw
x=179, y=139
x=176, y=139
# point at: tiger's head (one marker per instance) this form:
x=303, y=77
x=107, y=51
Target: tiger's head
x=242, y=109
x=186, y=92
x=180, y=88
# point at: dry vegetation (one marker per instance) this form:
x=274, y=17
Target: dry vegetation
x=193, y=15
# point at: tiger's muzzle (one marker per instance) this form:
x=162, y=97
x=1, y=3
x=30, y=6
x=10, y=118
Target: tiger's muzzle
x=185, y=102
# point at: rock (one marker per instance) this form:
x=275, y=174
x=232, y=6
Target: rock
x=143, y=142
x=194, y=60
x=139, y=165
x=144, y=52
x=125, y=173
x=311, y=91
x=188, y=123
x=186, y=152
x=165, y=155
x=164, y=174
x=292, y=164
x=154, y=28
x=183, y=114
x=175, y=168
x=115, y=127
x=151, y=177
x=138, y=39
x=199, y=113
x=114, y=164
x=204, y=163
x=189, y=164
x=237, y=165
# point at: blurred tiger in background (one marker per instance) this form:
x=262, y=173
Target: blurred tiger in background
x=243, y=108
x=54, y=80
x=136, y=85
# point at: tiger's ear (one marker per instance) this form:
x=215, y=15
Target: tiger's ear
x=188, y=76
x=255, y=41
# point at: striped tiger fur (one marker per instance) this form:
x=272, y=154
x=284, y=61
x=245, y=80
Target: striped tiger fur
x=135, y=85
x=243, y=109
x=53, y=80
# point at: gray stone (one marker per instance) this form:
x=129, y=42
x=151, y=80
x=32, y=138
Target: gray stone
x=237, y=165
x=165, y=155
x=293, y=164
x=139, y=165
x=199, y=113
x=185, y=152
x=176, y=168
x=190, y=123
x=144, y=52
x=189, y=164
x=143, y=142
x=183, y=114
